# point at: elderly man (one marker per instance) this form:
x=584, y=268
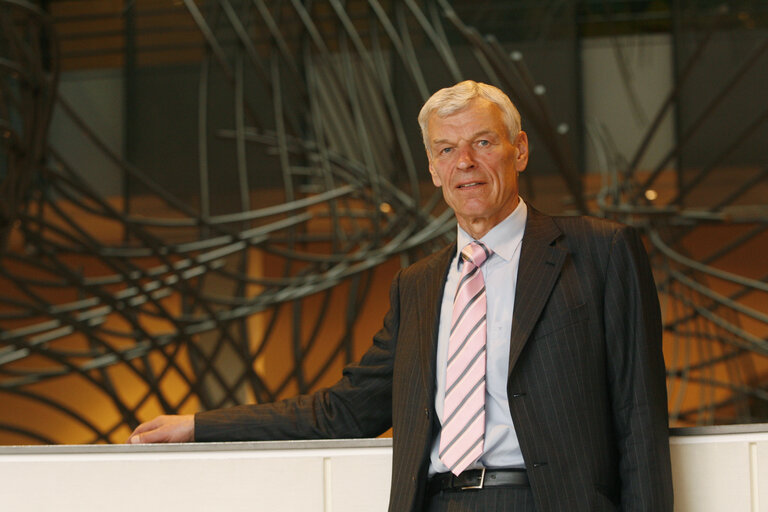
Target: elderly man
x=521, y=368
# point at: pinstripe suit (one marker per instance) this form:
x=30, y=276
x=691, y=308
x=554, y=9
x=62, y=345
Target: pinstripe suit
x=586, y=376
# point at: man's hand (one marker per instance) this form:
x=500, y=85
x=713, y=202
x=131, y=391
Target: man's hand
x=165, y=429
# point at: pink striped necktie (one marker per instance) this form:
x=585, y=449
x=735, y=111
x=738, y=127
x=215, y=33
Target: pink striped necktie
x=463, y=429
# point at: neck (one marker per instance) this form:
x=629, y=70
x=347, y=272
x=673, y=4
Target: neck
x=478, y=227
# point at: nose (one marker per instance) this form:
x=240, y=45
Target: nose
x=465, y=160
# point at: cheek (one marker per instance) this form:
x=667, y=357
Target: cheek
x=436, y=176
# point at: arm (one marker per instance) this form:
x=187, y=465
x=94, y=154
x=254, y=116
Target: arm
x=359, y=405
x=637, y=376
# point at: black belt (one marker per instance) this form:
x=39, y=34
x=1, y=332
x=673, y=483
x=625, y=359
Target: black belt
x=478, y=479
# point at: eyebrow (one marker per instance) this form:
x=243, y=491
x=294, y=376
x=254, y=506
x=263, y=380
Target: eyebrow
x=474, y=136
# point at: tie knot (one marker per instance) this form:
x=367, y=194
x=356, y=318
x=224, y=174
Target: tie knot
x=476, y=253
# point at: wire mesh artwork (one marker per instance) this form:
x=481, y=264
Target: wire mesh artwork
x=170, y=296
x=702, y=204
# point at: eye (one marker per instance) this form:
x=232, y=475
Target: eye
x=483, y=143
x=445, y=151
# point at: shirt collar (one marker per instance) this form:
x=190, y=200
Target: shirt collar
x=504, y=238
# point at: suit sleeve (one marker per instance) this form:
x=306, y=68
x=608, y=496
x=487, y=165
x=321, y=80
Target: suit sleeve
x=637, y=376
x=359, y=405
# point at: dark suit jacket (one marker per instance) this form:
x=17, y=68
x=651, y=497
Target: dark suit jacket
x=586, y=378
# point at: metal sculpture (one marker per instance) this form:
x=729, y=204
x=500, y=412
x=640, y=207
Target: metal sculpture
x=707, y=236
x=185, y=296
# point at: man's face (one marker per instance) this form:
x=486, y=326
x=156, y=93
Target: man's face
x=473, y=160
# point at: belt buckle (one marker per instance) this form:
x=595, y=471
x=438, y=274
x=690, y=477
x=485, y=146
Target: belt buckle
x=479, y=486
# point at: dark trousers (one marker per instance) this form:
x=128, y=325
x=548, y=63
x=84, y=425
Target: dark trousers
x=490, y=499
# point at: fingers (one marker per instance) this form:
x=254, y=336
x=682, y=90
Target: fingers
x=147, y=425
x=165, y=429
x=138, y=434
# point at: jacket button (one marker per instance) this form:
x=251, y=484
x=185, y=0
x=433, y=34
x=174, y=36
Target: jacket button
x=426, y=413
x=539, y=464
x=518, y=395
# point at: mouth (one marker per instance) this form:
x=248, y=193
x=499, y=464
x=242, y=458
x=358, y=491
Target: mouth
x=469, y=185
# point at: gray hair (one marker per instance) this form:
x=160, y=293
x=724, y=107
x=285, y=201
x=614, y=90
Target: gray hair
x=450, y=100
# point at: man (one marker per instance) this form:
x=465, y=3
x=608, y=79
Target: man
x=530, y=366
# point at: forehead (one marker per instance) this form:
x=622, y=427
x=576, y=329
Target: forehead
x=479, y=116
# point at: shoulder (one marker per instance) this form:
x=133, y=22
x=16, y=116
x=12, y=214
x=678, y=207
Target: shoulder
x=585, y=225
x=589, y=239
x=583, y=228
x=427, y=266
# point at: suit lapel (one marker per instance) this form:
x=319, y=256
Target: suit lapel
x=540, y=263
x=429, y=301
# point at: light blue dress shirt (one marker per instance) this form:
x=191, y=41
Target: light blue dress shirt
x=502, y=449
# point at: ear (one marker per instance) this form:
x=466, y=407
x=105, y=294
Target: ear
x=521, y=145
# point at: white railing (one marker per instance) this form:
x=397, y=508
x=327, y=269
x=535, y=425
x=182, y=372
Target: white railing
x=716, y=469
